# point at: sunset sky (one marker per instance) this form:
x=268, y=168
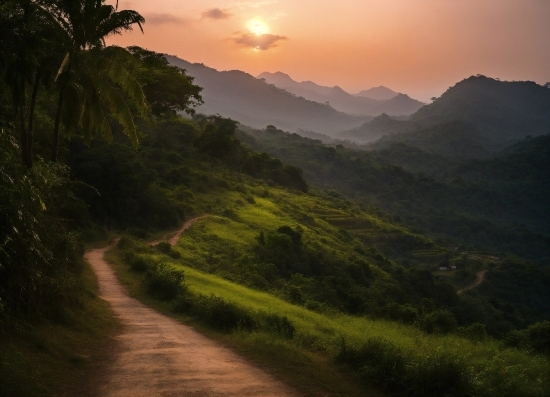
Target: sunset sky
x=419, y=47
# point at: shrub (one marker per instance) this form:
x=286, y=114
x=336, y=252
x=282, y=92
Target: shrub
x=438, y=322
x=395, y=370
x=163, y=282
x=279, y=325
x=215, y=312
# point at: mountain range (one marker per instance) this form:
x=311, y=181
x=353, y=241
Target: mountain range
x=242, y=97
x=477, y=116
x=369, y=102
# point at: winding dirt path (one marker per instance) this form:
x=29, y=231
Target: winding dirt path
x=479, y=279
x=157, y=356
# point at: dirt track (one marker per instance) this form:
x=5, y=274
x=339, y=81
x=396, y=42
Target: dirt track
x=479, y=279
x=157, y=356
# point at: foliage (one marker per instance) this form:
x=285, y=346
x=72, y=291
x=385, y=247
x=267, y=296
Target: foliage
x=39, y=249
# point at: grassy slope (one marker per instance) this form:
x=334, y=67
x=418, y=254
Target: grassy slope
x=45, y=358
x=305, y=361
x=308, y=370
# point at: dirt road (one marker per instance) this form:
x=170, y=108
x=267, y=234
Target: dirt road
x=479, y=279
x=157, y=356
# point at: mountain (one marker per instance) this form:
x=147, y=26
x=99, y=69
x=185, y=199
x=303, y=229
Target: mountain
x=335, y=96
x=376, y=128
x=474, y=118
x=379, y=93
x=253, y=102
x=390, y=102
x=502, y=111
x=400, y=105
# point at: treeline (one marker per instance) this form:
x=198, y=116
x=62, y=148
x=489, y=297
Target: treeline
x=474, y=204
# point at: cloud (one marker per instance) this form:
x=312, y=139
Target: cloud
x=254, y=4
x=160, y=19
x=216, y=13
x=258, y=42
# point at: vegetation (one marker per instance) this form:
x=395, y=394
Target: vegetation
x=277, y=266
x=497, y=204
x=400, y=359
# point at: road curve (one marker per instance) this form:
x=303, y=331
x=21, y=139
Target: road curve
x=157, y=356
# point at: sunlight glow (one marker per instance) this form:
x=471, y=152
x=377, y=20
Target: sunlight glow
x=257, y=26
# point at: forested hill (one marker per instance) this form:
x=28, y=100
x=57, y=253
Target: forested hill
x=253, y=102
x=486, y=113
x=480, y=211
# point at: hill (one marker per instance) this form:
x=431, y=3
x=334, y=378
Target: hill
x=398, y=104
x=336, y=96
x=476, y=117
x=377, y=128
x=380, y=93
x=502, y=111
x=470, y=211
x=242, y=97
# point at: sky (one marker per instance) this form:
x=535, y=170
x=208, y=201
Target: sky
x=418, y=47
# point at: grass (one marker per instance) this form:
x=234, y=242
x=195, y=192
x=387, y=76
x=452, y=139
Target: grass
x=311, y=372
x=308, y=363
x=40, y=357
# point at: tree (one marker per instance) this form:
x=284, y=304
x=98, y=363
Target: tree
x=168, y=89
x=89, y=81
x=29, y=51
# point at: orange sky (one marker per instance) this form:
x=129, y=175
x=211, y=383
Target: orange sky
x=419, y=47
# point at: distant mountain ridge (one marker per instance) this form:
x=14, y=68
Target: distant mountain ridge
x=255, y=103
x=343, y=101
x=474, y=118
x=380, y=93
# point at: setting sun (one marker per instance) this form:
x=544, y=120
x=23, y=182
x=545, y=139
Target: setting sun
x=257, y=27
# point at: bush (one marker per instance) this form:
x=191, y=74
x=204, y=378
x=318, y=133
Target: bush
x=279, y=325
x=438, y=322
x=163, y=282
x=215, y=312
x=166, y=249
x=395, y=370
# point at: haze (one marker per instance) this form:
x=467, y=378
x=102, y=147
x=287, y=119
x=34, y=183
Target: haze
x=420, y=47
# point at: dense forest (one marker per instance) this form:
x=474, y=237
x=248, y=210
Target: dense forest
x=98, y=141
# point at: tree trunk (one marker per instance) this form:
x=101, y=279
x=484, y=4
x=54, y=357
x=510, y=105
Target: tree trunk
x=23, y=126
x=30, y=137
x=55, y=150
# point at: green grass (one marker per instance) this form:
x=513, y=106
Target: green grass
x=311, y=372
x=497, y=370
x=46, y=358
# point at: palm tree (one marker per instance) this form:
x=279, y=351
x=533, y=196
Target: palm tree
x=28, y=51
x=91, y=84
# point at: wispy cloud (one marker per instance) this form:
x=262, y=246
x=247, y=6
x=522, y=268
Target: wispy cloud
x=160, y=19
x=216, y=13
x=254, y=4
x=261, y=42
x=277, y=15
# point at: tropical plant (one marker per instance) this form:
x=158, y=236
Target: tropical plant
x=89, y=81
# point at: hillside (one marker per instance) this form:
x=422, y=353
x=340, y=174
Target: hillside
x=377, y=128
x=380, y=93
x=502, y=111
x=336, y=96
x=250, y=101
x=476, y=117
x=474, y=212
x=397, y=104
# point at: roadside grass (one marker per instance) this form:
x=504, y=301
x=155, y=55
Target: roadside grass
x=496, y=371
x=398, y=358
x=41, y=357
x=310, y=372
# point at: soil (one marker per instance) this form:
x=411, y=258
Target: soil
x=154, y=355
x=479, y=279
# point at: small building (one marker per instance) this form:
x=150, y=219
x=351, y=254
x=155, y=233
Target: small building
x=444, y=268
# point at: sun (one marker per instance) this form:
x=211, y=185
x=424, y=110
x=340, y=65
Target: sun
x=257, y=26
